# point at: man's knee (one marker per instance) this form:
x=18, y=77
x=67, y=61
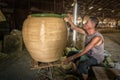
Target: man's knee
x=83, y=68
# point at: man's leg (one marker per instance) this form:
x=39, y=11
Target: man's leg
x=84, y=66
x=74, y=66
x=85, y=76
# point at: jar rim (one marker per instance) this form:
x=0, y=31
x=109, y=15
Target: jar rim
x=48, y=15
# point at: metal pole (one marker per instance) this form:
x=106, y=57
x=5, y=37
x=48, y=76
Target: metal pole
x=75, y=21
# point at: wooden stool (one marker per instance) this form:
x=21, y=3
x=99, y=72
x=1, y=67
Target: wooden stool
x=102, y=73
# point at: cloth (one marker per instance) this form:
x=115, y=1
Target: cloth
x=98, y=51
x=84, y=66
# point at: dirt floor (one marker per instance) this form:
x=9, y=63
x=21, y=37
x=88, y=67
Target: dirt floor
x=16, y=66
x=112, y=45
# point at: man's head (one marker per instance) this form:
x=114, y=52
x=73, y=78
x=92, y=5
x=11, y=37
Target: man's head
x=91, y=23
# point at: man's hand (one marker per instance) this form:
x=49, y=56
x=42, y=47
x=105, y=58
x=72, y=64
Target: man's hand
x=68, y=18
x=68, y=60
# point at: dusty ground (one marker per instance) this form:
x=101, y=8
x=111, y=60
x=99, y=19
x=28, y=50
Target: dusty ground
x=112, y=44
x=17, y=65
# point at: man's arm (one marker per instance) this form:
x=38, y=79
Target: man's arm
x=73, y=26
x=92, y=44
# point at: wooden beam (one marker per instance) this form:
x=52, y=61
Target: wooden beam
x=102, y=73
x=40, y=65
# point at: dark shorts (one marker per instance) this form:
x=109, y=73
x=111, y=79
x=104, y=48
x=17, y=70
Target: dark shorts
x=84, y=62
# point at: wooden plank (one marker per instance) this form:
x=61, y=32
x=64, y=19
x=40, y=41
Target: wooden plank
x=100, y=73
x=112, y=73
x=115, y=71
x=40, y=65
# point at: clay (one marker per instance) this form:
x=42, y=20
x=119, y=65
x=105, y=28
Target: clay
x=45, y=37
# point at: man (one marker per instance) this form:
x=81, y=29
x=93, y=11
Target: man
x=94, y=45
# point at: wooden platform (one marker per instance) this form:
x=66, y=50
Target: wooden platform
x=39, y=65
x=102, y=73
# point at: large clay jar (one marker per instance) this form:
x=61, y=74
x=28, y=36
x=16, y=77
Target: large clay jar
x=45, y=36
